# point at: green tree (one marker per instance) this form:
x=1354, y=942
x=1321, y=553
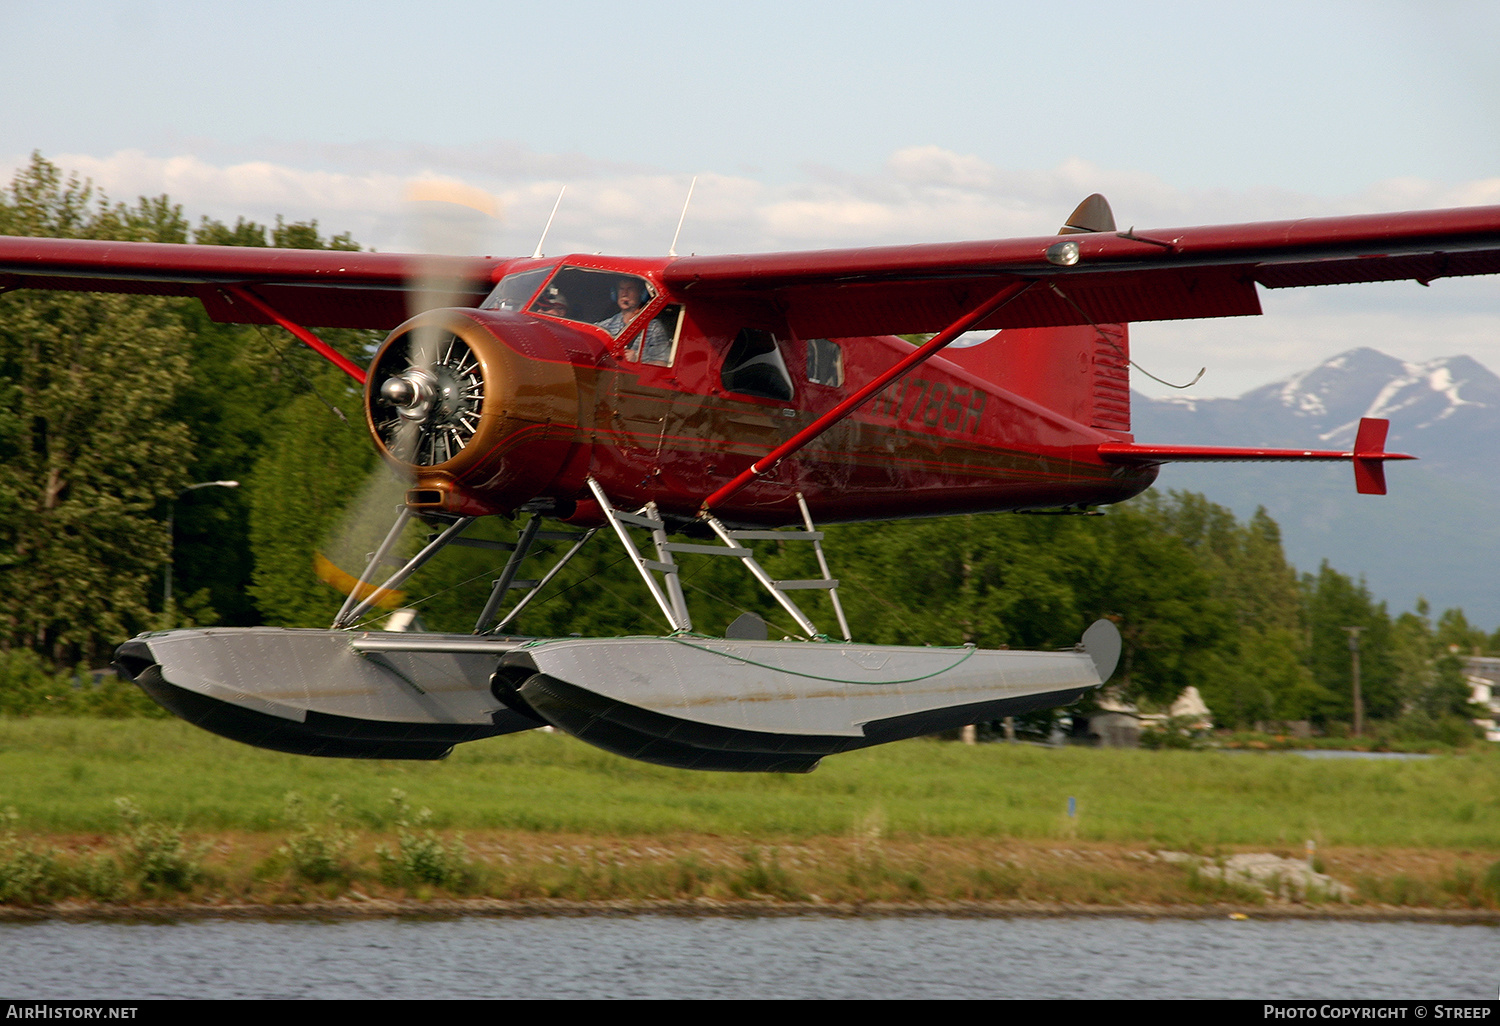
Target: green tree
x=268, y=412
x=88, y=457
x=304, y=477
x=1253, y=670
x=1155, y=584
x=114, y=403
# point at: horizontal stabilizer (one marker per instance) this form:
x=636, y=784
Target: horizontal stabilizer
x=1368, y=455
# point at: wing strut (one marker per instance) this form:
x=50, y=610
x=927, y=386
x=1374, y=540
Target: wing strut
x=320, y=347
x=859, y=398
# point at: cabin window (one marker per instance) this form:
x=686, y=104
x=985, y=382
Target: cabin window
x=514, y=290
x=606, y=299
x=825, y=362
x=754, y=366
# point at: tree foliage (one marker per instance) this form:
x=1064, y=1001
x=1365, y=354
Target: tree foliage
x=87, y=453
x=113, y=404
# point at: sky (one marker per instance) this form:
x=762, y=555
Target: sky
x=808, y=125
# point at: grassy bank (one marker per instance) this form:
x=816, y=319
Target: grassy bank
x=62, y=776
x=543, y=816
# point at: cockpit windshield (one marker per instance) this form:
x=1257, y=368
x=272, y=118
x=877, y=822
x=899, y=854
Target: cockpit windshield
x=515, y=290
x=611, y=300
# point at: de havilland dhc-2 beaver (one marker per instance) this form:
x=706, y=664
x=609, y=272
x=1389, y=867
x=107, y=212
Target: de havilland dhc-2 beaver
x=698, y=405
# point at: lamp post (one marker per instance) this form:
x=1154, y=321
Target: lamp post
x=166, y=588
x=1359, y=702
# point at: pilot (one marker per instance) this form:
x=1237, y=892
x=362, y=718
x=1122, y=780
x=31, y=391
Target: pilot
x=551, y=302
x=631, y=298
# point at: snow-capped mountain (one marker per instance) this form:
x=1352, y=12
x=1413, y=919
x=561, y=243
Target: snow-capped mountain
x=1445, y=411
x=1435, y=535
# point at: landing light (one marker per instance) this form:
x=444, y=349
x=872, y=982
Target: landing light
x=1063, y=254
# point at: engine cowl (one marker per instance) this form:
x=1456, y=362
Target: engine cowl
x=481, y=408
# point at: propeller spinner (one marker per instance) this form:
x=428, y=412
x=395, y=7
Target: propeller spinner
x=428, y=411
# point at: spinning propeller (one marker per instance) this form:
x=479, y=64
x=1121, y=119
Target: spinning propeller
x=428, y=385
x=426, y=390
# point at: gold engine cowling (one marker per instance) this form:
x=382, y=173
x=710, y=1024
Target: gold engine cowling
x=480, y=408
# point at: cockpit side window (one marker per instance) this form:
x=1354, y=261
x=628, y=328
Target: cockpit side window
x=514, y=291
x=660, y=339
x=754, y=366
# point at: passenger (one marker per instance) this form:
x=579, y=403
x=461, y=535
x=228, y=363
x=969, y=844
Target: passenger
x=551, y=302
x=658, y=343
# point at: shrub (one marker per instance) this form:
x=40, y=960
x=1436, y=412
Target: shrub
x=27, y=687
x=317, y=852
x=759, y=879
x=1177, y=732
x=420, y=856
x=28, y=874
x=1489, y=885
x=156, y=854
x=99, y=877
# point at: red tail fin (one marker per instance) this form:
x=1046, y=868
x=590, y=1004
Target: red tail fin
x=1369, y=459
x=1080, y=371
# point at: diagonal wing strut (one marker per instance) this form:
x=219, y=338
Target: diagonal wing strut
x=859, y=398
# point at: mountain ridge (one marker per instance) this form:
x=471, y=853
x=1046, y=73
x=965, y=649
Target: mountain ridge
x=1433, y=536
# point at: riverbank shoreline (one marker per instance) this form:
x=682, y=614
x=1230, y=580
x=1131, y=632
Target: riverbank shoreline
x=458, y=908
x=159, y=874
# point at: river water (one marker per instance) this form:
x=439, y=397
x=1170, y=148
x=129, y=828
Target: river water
x=660, y=956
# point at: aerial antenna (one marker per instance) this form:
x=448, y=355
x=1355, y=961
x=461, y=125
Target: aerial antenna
x=672, y=249
x=547, y=229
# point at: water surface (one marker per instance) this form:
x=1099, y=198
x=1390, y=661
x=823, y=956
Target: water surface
x=656, y=956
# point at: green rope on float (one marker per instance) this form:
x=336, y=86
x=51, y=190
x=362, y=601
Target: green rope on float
x=969, y=651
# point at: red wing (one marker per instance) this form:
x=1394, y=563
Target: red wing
x=1119, y=276
x=1164, y=274
x=317, y=287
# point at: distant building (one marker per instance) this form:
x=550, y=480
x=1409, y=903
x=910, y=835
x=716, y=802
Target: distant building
x=1190, y=712
x=1118, y=723
x=1483, y=673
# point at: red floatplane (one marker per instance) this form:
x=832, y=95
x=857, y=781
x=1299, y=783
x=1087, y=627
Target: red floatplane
x=702, y=404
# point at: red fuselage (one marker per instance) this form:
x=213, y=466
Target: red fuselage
x=564, y=400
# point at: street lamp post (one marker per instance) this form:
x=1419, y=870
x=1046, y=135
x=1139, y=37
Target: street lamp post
x=166, y=588
x=1359, y=701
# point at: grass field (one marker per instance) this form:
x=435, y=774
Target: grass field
x=543, y=815
x=62, y=776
